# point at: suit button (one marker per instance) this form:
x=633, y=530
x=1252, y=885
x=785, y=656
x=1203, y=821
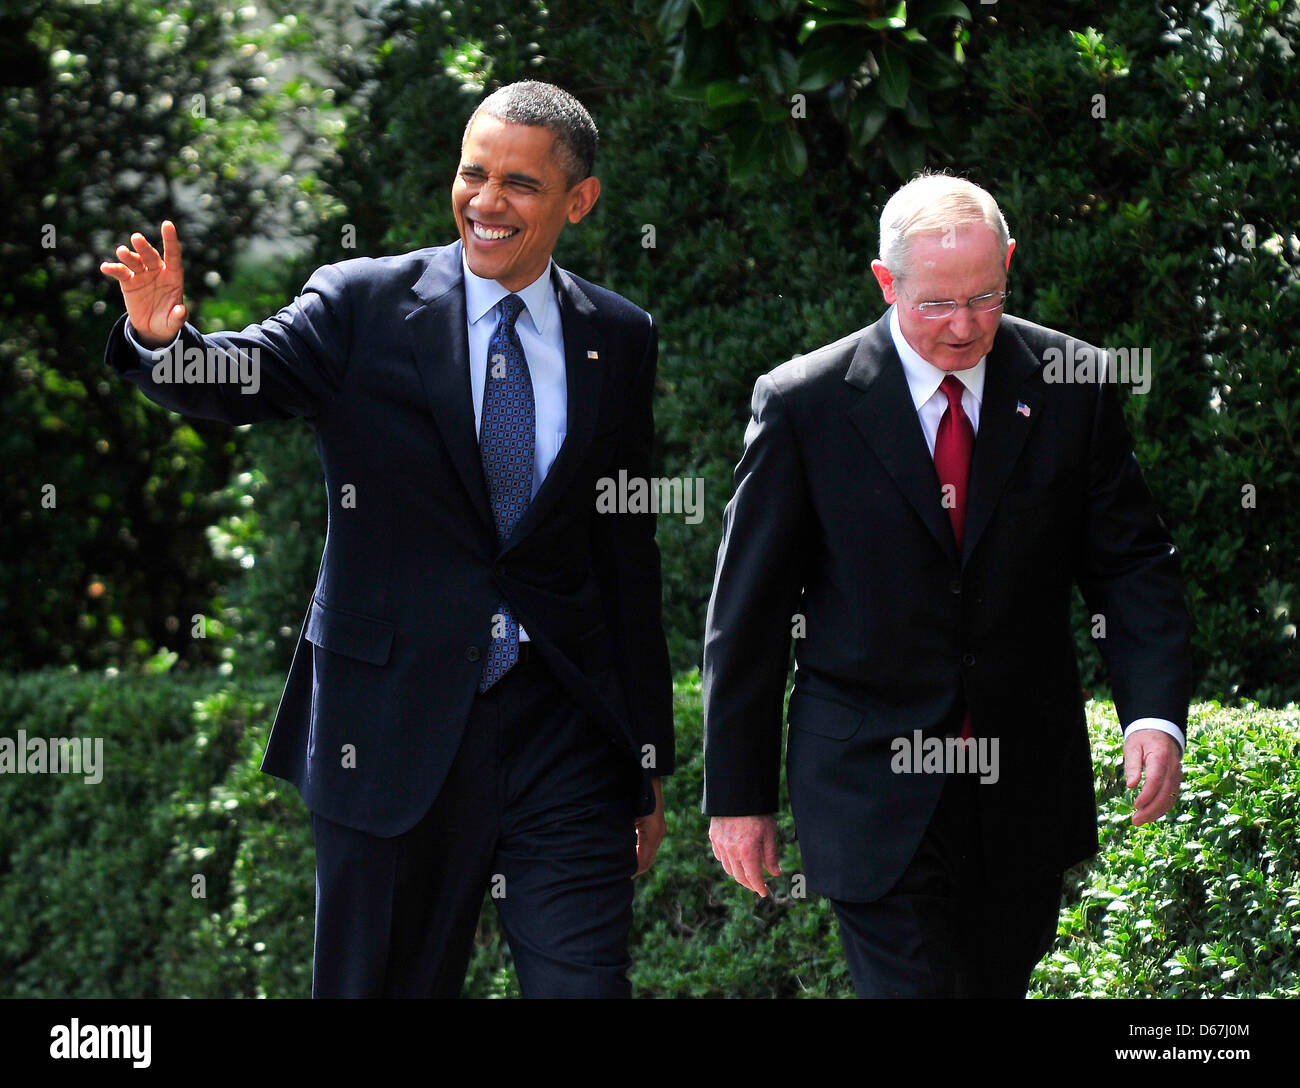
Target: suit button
x=968, y=659
x=471, y=653
x=498, y=569
x=955, y=585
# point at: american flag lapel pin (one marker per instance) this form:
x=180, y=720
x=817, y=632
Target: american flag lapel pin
x=592, y=354
x=1022, y=409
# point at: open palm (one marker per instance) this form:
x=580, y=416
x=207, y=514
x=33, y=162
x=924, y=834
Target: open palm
x=152, y=286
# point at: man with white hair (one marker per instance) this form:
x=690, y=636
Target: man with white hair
x=914, y=506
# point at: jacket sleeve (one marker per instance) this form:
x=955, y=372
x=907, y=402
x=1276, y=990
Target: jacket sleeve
x=756, y=591
x=291, y=364
x=1131, y=577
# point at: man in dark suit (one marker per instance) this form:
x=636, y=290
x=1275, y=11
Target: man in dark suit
x=914, y=506
x=480, y=700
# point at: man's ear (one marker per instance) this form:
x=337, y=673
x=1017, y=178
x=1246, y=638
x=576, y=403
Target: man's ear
x=886, y=281
x=1011, y=245
x=582, y=198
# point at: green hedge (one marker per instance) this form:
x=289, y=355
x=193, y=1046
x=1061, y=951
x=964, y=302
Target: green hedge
x=97, y=896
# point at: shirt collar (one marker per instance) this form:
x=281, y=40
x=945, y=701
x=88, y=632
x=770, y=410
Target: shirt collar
x=482, y=297
x=924, y=378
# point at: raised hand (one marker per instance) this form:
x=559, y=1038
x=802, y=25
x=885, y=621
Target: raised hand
x=152, y=286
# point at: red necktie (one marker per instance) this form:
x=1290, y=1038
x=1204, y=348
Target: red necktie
x=952, y=450
x=953, y=445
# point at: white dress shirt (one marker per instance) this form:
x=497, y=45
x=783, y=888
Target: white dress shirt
x=923, y=381
x=542, y=337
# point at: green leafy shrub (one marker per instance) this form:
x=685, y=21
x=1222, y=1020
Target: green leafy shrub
x=98, y=896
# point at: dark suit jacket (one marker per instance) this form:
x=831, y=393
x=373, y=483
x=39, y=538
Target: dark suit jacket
x=837, y=517
x=373, y=354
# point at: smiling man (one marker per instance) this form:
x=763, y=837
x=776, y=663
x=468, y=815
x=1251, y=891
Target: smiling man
x=480, y=702
x=915, y=505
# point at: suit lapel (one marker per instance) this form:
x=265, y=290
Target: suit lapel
x=1004, y=426
x=888, y=421
x=439, y=342
x=582, y=379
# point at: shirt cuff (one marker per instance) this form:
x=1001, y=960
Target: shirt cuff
x=147, y=355
x=1162, y=725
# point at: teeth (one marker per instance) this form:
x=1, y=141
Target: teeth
x=492, y=235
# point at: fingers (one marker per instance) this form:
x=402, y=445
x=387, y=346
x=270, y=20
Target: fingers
x=171, y=244
x=1154, y=757
x=151, y=257
x=1158, y=794
x=130, y=259
x=1133, y=764
x=751, y=874
x=743, y=845
x=650, y=833
x=770, y=859
x=144, y=258
x=118, y=272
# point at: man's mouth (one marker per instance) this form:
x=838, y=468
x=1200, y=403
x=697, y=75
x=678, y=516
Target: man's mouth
x=485, y=233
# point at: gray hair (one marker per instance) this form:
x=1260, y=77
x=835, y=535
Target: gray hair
x=546, y=106
x=933, y=204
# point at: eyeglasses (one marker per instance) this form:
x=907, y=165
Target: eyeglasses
x=934, y=311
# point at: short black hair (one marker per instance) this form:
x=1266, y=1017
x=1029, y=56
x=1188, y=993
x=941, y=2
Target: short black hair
x=550, y=107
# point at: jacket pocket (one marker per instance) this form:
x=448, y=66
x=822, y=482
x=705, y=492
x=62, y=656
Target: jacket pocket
x=813, y=714
x=349, y=633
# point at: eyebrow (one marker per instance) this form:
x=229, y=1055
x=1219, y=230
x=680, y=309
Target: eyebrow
x=528, y=179
x=980, y=294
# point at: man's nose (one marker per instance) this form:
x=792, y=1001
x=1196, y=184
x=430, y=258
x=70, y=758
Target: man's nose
x=490, y=195
x=962, y=322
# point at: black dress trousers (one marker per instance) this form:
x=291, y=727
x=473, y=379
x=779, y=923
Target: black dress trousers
x=538, y=812
x=946, y=928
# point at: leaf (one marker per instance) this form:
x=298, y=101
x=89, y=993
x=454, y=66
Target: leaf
x=894, y=79
x=917, y=110
x=712, y=12
x=751, y=152
x=867, y=116
x=672, y=17
x=791, y=152
x=727, y=92
x=767, y=10
x=827, y=63
x=933, y=69
x=906, y=157
x=846, y=7
x=895, y=20
x=933, y=10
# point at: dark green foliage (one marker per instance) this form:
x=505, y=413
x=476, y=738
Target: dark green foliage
x=776, y=75
x=1205, y=903
x=116, y=115
x=97, y=896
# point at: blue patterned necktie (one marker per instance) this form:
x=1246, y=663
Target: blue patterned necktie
x=506, y=435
